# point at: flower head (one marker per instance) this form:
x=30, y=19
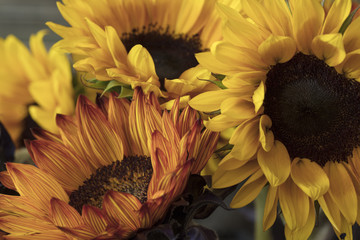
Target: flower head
x=293, y=95
x=114, y=169
x=142, y=43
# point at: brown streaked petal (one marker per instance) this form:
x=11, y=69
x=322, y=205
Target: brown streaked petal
x=50, y=234
x=186, y=120
x=6, y=180
x=94, y=218
x=20, y=206
x=21, y=225
x=80, y=232
x=56, y=159
x=118, y=116
x=39, y=133
x=208, y=142
x=35, y=184
x=63, y=215
x=122, y=209
x=96, y=135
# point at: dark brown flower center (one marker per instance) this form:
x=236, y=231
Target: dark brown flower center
x=131, y=175
x=314, y=109
x=172, y=53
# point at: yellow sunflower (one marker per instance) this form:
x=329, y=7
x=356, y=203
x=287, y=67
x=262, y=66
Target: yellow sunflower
x=292, y=92
x=33, y=76
x=142, y=43
x=114, y=169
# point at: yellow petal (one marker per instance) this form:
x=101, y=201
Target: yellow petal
x=308, y=17
x=344, y=197
x=275, y=164
x=337, y=14
x=351, y=36
x=212, y=100
x=305, y=231
x=237, y=108
x=245, y=140
x=226, y=178
x=331, y=211
x=277, y=49
x=142, y=62
x=249, y=191
x=310, y=177
x=258, y=97
x=294, y=205
x=266, y=136
x=270, y=210
x=330, y=48
x=220, y=123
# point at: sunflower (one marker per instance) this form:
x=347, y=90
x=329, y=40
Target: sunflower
x=142, y=43
x=292, y=92
x=33, y=76
x=114, y=168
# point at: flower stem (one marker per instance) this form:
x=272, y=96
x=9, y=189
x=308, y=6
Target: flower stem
x=259, y=212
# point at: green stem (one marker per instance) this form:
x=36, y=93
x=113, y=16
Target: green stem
x=259, y=213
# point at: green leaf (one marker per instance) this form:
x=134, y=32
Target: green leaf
x=225, y=148
x=126, y=92
x=348, y=20
x=218, y=76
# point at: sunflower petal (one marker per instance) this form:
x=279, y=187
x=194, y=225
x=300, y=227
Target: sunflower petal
x=330, y=48
x=310, y=177
x=305, y=231
x=294, y=205
x=122, y=209
x=266, y=136
x=270, y=210
x=344, y=197
x=24, y=177
x=93, y=217
x=308, y=17
x=277, y=49
x=226, y=178
x=250, y=190
x=337, y=14
x=63, y=215
x=331, y=211
x=275, y=164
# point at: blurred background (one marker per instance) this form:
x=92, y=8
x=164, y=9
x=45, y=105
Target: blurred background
x=23, y=18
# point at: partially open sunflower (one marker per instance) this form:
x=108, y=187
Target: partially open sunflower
x=114, y=169
x=29, y=76
x=293, y=93
x=142, y=43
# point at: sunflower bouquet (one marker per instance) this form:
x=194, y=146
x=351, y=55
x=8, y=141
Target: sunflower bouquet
x=149, y=113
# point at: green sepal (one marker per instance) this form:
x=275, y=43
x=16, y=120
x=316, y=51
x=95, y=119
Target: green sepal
x=217, y=83
x=348, y=20
x=225, y=148
x=218, y=76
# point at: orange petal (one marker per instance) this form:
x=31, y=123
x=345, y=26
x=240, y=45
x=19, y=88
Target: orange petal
x=275, y=164
x=94, y=218
x=96, y=135
x=56, y=159
x=36, y=184
x=122, y=209
x=63, y=215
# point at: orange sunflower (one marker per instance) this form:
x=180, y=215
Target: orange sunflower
x=292, y=92
x=142, y=43
x=114, y=169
